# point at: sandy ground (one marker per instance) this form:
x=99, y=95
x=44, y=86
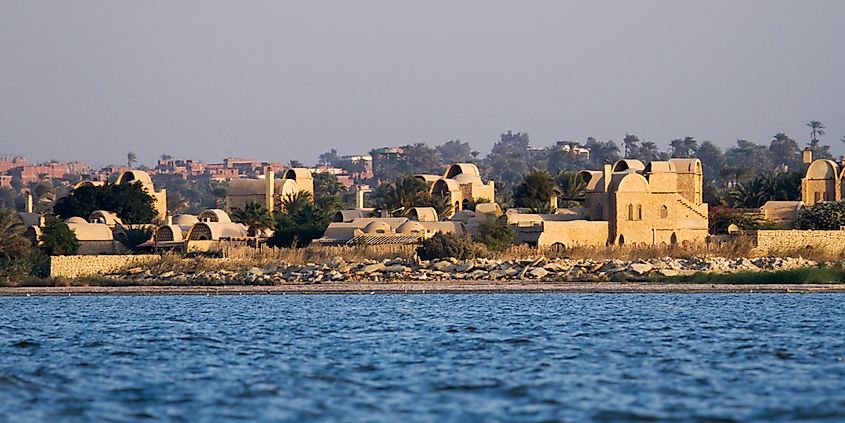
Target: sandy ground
x=456, y=287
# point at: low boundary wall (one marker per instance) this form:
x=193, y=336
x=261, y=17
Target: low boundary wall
x=70, y=267
x=765, y=241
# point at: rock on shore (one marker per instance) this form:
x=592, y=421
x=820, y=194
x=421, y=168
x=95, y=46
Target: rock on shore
x=552, y=270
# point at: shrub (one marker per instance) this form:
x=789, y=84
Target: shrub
x=494, y=233
x=446, y=245
x=823, y=216
x=296, y=237
x=722, y=217
x=58, y=239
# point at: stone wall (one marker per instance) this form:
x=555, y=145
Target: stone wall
x=70, y=267
x=772, y=241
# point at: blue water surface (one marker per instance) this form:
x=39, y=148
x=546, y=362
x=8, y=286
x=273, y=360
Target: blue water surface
x=462, y=358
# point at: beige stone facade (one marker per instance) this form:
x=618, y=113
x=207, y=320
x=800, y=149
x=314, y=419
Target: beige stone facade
x=461, y=184
x=822, y=182
x=627, y=203
x=71, y=267
x=780, y=241
x=268, y=191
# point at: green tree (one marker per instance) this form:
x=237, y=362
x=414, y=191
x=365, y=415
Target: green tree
x=785, y=151
x=685, y=147
x=130, y=202
x=419, y=158
x=329, y=193
x=13, y=244
x=57, y=239
x=508, y=160
x=712, y=161
x=404, y=193
x=816, y=129
x=299, y=222
x=572, y=186
x=495, y=233
x=328, y=158
x=601, y=152
x=455, y=151
x=823, y=216
x=631, y=145
x=535, y=191
x=255, y=216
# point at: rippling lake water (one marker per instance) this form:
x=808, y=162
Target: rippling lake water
x=532, y=357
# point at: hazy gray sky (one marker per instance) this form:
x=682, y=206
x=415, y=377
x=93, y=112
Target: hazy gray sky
x=281, y=80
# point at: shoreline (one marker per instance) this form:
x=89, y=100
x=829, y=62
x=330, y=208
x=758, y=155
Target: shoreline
x=445, y=287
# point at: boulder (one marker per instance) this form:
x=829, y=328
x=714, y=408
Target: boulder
x=640, y=268
x=372, y=268
x=538, y=273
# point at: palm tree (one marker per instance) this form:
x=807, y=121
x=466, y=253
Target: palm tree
x=405, y=193
x=295, y=163
x=255, y=216
x=816, y=130
x=536, y=191
x=13, y=244
x=630, y=145
x=131, y=158
x=572, y=186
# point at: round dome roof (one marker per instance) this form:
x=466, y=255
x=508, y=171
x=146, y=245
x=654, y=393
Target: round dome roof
x=410, y=227
x=185, y=219
x=377, y=227
x=76, y=220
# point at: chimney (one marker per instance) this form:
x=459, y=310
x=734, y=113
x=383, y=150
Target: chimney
x=29, y=202
x=553, y=202
x=606, y=174
x=270, y=180
x=359, y=197
x=808, y=156
x=168, y=219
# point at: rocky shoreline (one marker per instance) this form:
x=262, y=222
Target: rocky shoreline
x=481, y=269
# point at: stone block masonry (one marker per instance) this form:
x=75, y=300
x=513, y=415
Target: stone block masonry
x=72, y=267
x=772, y=241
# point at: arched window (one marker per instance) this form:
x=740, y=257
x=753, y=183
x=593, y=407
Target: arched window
x=664, y=212
x=639, y=212
x=630, y=212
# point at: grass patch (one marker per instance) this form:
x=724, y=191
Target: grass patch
x=806, y=275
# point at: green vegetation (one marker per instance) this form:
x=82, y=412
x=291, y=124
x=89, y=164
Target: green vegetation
x=130, y=202
x=255, y=216
x=494, y=233
x=448, y=245
x=13, y=244
x=535, y=192
x=807, y=275
x=299, y=222
x=823, y=216
x=57, y=239
x=722, y=217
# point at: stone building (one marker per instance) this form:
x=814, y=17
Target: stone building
x=268, y=191
x=143, y=178
x=627, y=203
x=461, y=184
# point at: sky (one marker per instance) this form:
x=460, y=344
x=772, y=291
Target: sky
x=282, y=80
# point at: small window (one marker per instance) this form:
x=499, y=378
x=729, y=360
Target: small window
x=630, y=212
x=639, y=212
x=664, y=212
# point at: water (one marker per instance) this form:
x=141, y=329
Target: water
x=532, y=357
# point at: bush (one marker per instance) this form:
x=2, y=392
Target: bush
x=447, y=245
x=722, y=217
x=58, y=239
x=494, y=233
x=823, y=216
x=297, y=236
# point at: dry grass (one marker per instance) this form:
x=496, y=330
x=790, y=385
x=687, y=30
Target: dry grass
x=266, y=255
x=732, y=249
